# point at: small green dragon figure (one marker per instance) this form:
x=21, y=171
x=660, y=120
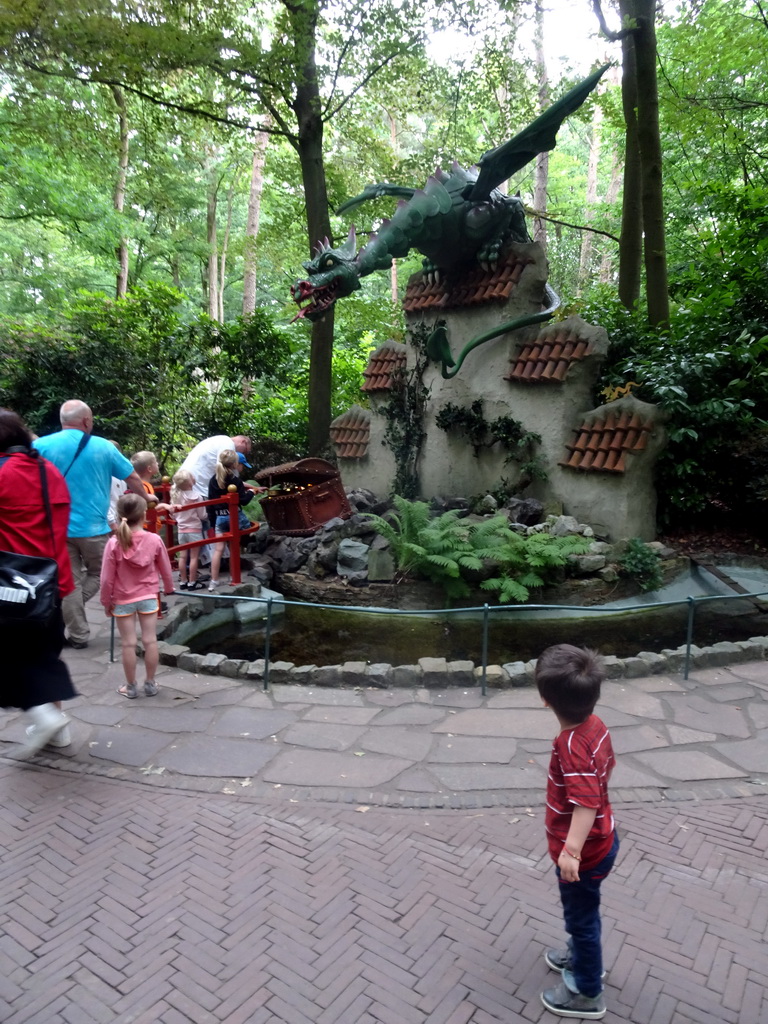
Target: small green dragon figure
x=457, y=218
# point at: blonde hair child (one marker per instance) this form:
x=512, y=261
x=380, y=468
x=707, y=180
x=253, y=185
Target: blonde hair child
x=227, y=475
x=226, y=465
x=183, y=493
x=133, y=558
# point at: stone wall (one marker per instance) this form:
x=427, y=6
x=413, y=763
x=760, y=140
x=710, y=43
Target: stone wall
x=556, y=406
x=437, y=672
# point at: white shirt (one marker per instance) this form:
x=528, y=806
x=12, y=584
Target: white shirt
x=117, y=490
x=201, y=461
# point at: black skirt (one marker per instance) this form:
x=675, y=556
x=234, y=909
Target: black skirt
x=32, y=670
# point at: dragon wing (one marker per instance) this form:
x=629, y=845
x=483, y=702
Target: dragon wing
x=540, y=136
x=383, y=188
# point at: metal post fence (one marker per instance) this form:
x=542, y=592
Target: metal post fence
x=484, y=676
x=689, y=634
x=267, y=642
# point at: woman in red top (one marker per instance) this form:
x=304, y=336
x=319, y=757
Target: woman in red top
x=34, y=678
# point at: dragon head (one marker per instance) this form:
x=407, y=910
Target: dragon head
x=332, y=275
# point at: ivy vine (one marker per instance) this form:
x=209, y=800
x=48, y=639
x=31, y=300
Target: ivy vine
x=405, y=434
x=506, y=431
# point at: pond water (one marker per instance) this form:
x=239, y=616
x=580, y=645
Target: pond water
x=310, y=635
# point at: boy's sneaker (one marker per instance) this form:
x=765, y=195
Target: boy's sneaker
x=560, y=960
x=564, y=1003
x=184, y=585
x=212, y=585
x=150, y=688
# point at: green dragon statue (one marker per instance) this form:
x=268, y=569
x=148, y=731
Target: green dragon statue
x=459, y=217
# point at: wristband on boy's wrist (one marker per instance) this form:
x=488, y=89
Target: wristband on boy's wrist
x=573, y=855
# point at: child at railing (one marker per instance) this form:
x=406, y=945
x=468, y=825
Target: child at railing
x=227, y=474
x=145, y=464
x=133, y=558
x=184, y=492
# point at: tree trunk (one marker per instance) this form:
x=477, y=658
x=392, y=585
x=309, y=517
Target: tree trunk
x=309, y=145
x=224, y=247
x=212, y=275
x=585, y=257
x=541, y=171
x=608, y=260
x=252, y=222
x=121, y=252
x=649, y=144
x=631, y=245
x=393, y=268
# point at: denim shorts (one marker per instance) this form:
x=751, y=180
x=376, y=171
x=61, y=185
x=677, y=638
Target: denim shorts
x=222, y=522
x=147, y=606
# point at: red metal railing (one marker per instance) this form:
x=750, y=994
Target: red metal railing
x=165, y=523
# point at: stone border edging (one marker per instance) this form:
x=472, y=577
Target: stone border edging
x=436, y=672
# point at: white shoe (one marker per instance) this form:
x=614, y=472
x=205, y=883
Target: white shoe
x=47, y=722
x=63, y=738
x=213, y=585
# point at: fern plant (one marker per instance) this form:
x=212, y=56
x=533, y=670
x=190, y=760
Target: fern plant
x=527, y=562
x=447, y=549
x=403, y=529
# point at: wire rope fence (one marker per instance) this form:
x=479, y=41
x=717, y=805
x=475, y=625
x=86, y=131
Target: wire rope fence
x=485, y=612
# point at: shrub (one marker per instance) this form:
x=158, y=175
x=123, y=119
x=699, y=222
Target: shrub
x=641, y=564
x=709, y=371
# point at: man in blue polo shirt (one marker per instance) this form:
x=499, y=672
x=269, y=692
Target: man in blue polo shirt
x=88, y=464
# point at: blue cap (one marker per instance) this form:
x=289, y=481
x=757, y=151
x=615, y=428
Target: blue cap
x=242, y=460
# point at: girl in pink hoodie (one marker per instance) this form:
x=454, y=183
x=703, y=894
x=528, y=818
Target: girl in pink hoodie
x=133, y=558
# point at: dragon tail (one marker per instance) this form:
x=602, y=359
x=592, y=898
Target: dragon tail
x=439, y=350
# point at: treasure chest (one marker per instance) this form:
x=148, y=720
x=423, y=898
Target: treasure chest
x=301, y=496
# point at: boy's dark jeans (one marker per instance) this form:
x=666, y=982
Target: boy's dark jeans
x=581, y=911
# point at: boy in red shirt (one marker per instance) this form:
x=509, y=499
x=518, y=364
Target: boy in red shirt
x=579, y=823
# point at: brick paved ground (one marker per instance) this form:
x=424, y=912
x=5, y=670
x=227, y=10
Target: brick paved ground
x=128, y=903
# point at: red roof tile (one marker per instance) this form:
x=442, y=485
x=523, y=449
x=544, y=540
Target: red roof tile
x=601, y=445
x=548, y=357
x=471, y=286
x=377, y=375
x=351, y=433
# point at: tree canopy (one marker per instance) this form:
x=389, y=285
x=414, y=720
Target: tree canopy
x=128, y=136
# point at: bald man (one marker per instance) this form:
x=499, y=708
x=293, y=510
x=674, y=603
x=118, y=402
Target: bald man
x=201, y=463
x=88, y=464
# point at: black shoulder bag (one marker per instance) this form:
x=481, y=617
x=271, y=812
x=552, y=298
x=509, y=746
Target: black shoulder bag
x=83, y=442
x=29, y=586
